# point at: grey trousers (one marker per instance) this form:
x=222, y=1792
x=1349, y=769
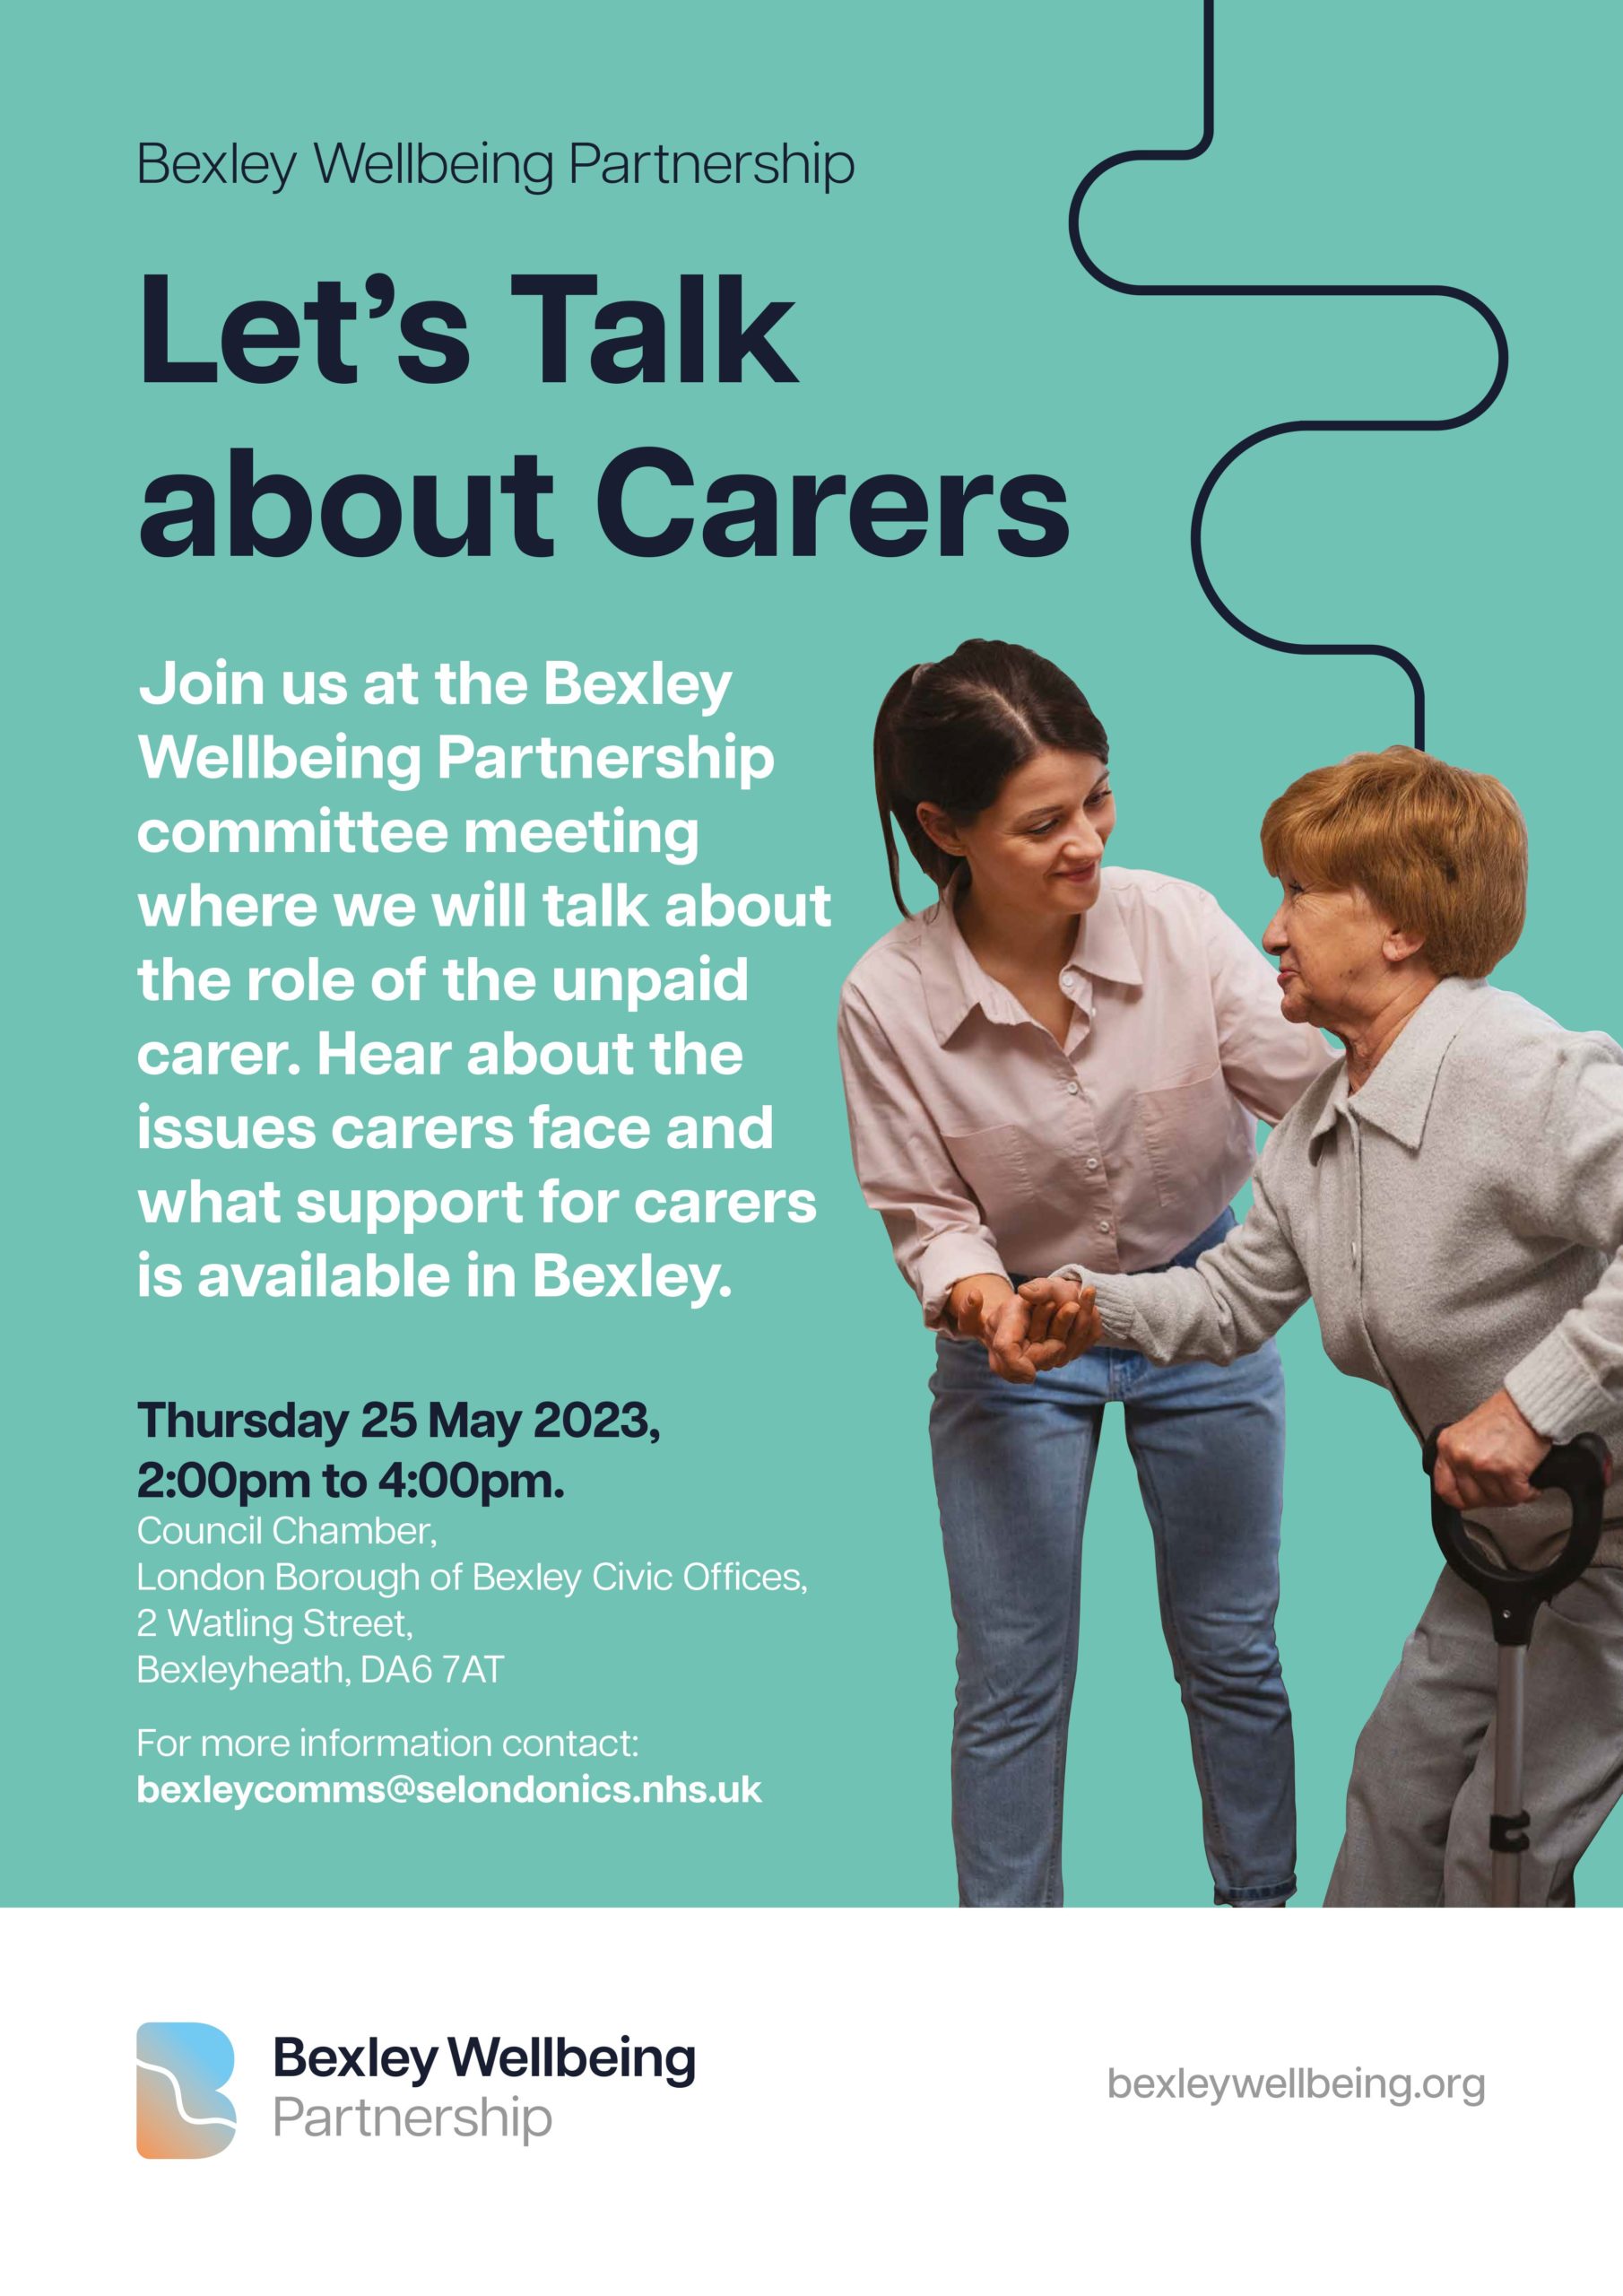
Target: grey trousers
x=1421, y=1791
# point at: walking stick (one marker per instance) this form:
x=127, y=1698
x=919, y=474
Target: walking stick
x=1513, y=1597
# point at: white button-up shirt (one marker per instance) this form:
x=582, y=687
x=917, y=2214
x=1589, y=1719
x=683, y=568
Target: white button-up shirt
x=987, y=1147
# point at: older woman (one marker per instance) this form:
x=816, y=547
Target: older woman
x=1450, y=1195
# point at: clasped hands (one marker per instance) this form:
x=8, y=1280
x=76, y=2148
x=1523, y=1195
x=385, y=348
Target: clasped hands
x=1044, y=1324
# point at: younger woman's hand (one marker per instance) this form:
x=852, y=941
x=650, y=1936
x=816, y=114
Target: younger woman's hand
x=1003, y=1329
x=975, y=1297
x=1065, y=1322
x=987, y=1308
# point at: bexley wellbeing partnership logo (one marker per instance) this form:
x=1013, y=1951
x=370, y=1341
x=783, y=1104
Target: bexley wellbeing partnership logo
x=180, y=2073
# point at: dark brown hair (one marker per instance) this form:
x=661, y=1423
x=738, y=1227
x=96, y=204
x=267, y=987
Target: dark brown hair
x=951, y=733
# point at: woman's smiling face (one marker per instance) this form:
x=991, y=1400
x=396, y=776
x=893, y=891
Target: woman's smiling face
x=1039, y=846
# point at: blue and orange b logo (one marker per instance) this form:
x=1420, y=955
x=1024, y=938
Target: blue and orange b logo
x=181, y=2113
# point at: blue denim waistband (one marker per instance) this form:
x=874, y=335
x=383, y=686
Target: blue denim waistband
x=1204, y=1242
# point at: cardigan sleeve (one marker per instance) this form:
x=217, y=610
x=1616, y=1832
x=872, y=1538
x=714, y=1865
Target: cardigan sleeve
x=1235, y=1297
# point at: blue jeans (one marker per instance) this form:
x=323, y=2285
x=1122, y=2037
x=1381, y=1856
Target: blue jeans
x=1012, y=1470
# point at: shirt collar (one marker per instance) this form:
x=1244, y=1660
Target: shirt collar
x=1397, y=1098
x=955, y=984
x=1104, y=946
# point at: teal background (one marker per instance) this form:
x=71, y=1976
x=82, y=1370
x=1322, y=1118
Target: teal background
x=941, y=323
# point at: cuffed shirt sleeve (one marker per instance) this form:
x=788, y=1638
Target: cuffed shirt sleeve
x=934, y=1223
x=1575, y=1375
x=1235, y=1297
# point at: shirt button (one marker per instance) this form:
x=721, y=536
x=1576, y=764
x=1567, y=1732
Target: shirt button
x=1093, y=1163
x=1073, y=1088
x=1104, y=1226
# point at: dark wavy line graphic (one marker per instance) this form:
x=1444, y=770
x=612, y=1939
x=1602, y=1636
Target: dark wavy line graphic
x=1282, y=430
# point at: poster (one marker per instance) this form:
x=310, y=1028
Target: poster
x=476, y=1569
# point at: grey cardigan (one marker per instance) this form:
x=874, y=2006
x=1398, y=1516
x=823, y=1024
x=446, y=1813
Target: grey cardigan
x=1458, y=1225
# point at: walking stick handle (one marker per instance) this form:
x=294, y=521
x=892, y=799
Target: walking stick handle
x=1514, y=1596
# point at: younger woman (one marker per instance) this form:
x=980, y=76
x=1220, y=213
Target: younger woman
x=1052, y=1050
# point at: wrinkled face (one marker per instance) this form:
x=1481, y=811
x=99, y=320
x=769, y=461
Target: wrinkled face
x=1039, y=845
x=1335, y=952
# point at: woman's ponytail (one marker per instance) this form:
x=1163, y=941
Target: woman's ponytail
x=886, y=762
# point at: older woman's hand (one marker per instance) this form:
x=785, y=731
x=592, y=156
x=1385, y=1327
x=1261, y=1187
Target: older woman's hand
x=1487, y=1458
x=1065, y=1322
